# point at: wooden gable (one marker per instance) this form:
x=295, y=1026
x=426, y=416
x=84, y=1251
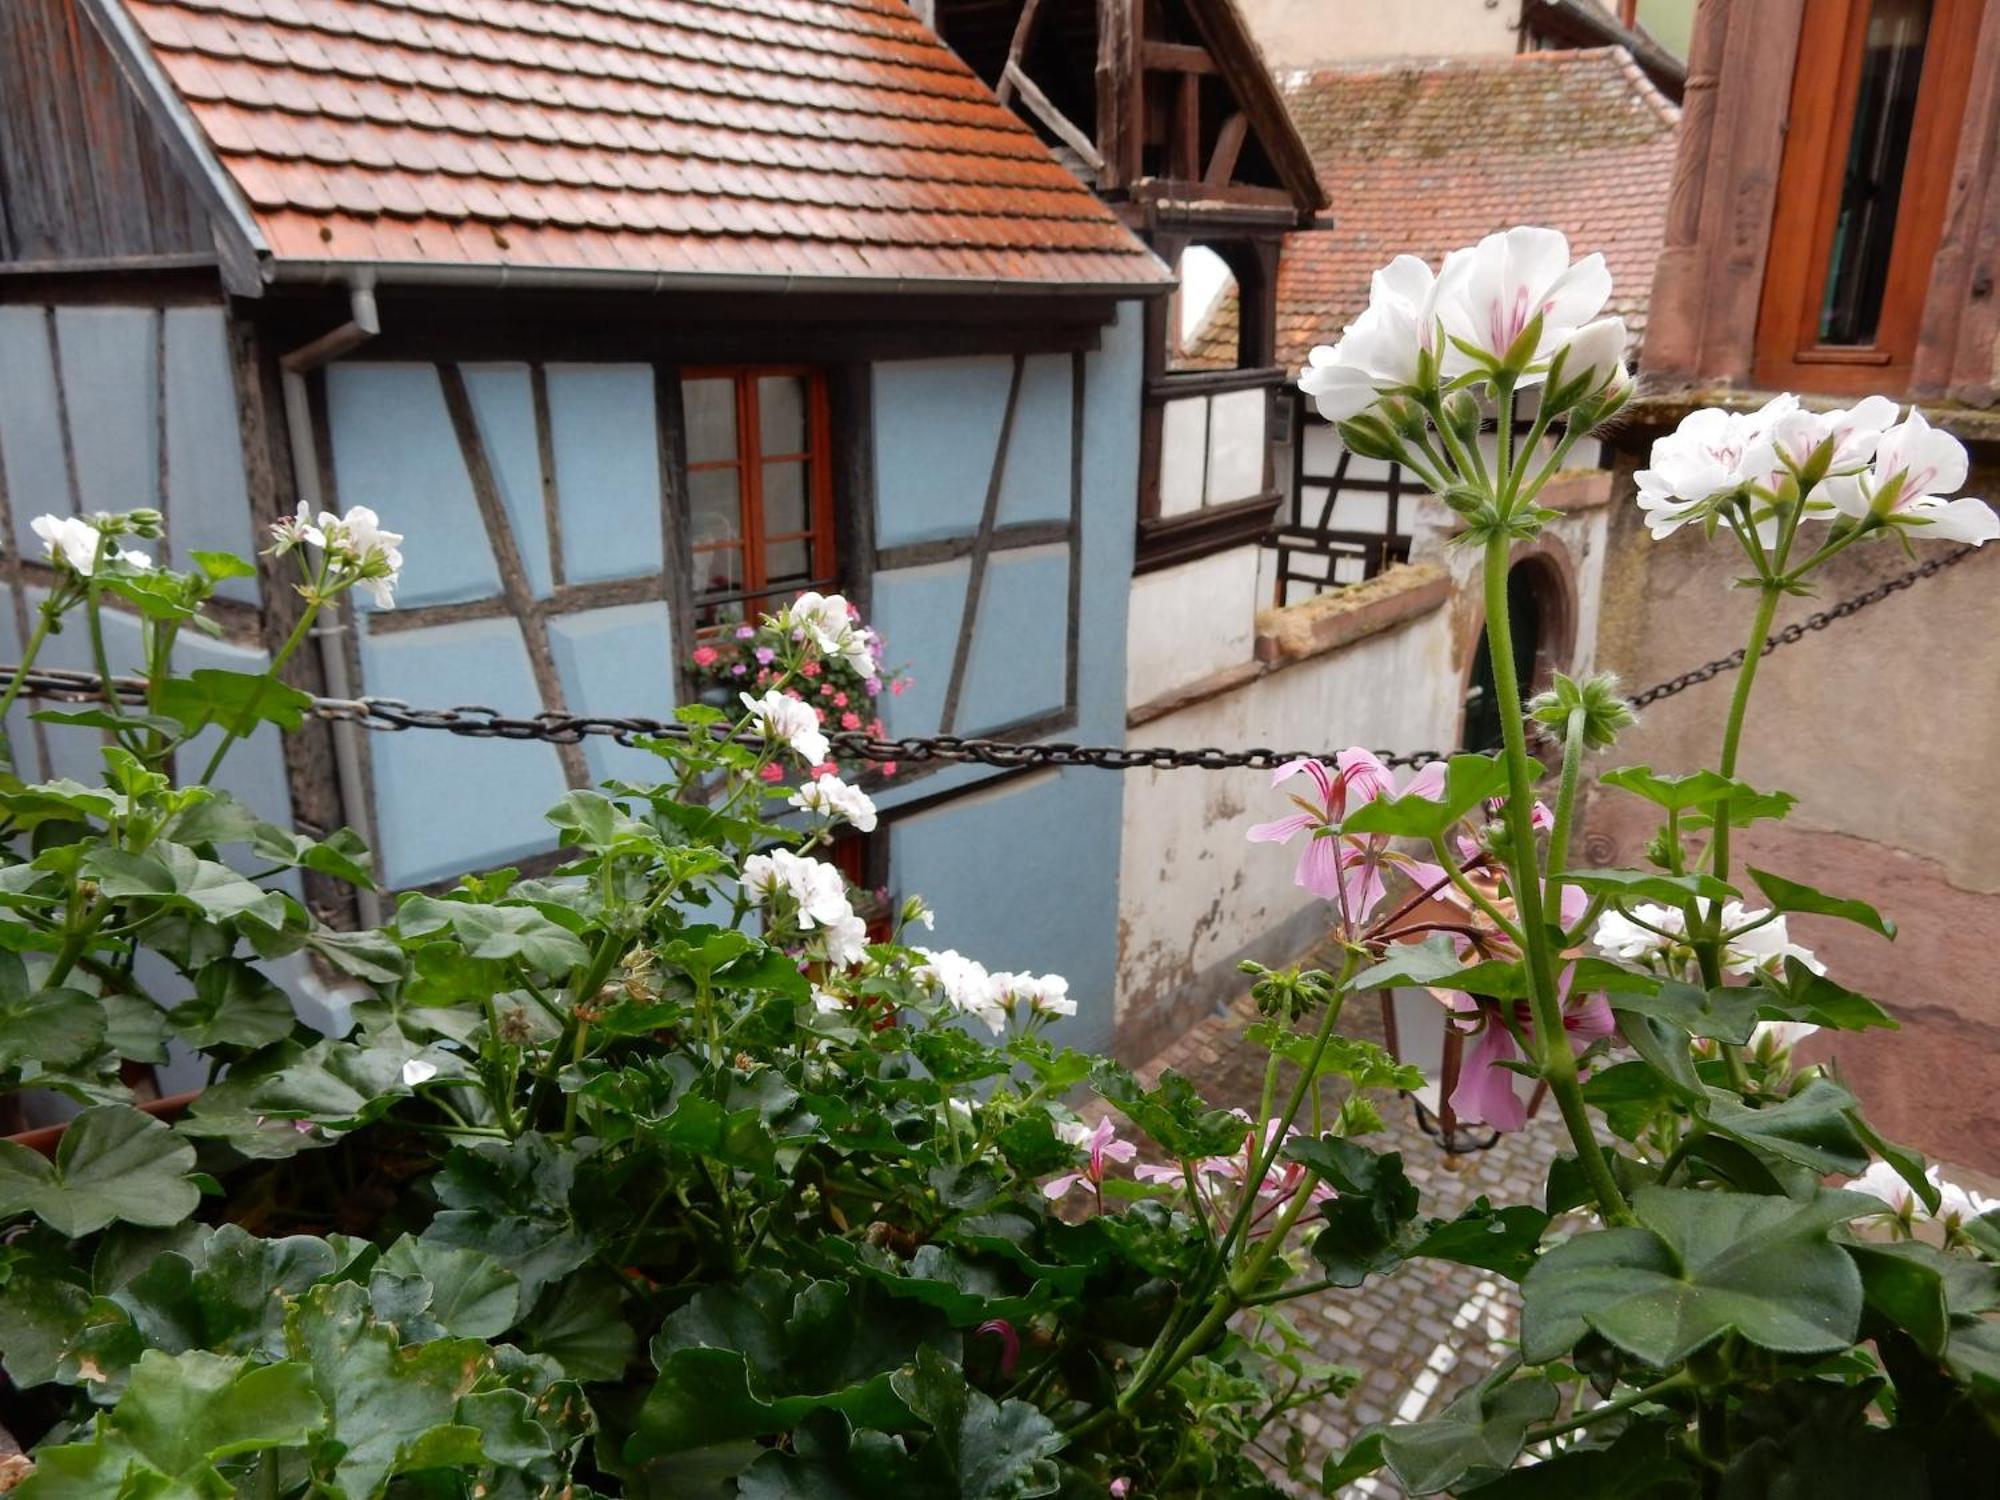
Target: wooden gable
x=1164, y=106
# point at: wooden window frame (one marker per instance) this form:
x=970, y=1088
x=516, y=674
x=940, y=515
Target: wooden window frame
x=1252, y=256
x=1825, y=83
x=821, y=535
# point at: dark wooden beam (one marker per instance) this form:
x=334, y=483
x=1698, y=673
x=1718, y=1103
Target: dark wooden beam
x=1043, y=108
x=1017, y=49
x=1119, y=126
x=1175, y=57
x=1228, y=147
x=1187, y=127
x=982, y=545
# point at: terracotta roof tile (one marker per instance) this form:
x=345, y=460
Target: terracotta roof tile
x=1423, y=158
x=835, y=137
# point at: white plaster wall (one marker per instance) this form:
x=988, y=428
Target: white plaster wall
x=1193, y=892
x=1299, y=33
x=1191, y=621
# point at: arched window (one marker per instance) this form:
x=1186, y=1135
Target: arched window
x=1543, y=628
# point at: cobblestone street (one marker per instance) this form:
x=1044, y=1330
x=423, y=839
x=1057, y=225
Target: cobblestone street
x=1424, y=1332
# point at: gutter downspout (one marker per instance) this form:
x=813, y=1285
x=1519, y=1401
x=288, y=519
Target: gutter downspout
x=362, y=324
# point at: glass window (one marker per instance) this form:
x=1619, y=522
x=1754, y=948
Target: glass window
x=1871, y=188
x=759, y=495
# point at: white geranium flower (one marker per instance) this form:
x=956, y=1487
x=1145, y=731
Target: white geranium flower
x=831, y=798
x=1761, y=948
x=1073, y=1132
x=965, y=985
x=1955, y=1204
x=1489, y=294
x=1769, y=1038
x=1915, y=468
x=360, y=550
x=1044, y=994
x=71, y=542
x=790, y=723
x=1381, y=350
x=828, y=1004
x=817, y=888
x=846, y=941
x=417, y=1071
x=1711, y=454
x=1598, y=353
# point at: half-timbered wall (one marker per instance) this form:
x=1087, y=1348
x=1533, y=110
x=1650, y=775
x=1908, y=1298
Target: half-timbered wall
x=110, y=407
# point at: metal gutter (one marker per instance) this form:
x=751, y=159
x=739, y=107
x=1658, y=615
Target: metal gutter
x=362, y=324
x=498, y=277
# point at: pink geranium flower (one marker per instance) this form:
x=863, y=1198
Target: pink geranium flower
x=704, y=656
x=1347, y=867
x=1491, y=1093
x=1101, y=1145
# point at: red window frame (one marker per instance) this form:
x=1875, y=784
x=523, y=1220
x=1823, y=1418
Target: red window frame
x=753, y=543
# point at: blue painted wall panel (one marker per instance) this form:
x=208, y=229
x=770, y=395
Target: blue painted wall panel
x=1019, y=658
x=31, y=439
x=607, y=470
x=444, y=804
x=394, y=451
x=937, y=424
x=110, y=377
x=208, y=502
x=503, y=402
x=1024, y=876
x=1035, y=486
x=917, y=610
x=617, y=661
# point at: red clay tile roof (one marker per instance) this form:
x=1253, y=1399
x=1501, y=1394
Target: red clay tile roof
x=788, y=138
x=1425, y=157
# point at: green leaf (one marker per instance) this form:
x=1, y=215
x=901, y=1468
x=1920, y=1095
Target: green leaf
x=1171, y=1112
x=181, y=1415
x=1902, y=1282
x=1358, y=1462
x=752, y=1359
x=980, y=1449
x=1646, y=885
x=369, y=954
x=590, y=820
x=1470, y=781
x=512, y=1200
x=1810, y=1129
x=580, y=1324
x=223, y=1290
x=233, y=1006
x=497, y=932
x=114, y=1162
x=1367, y=1224
x=1435, y=961
x=222, y=566
x=54, y=1029
x=175, y=877
x=1481, y=1433
x=1677, y=793
x=1789, y=896
x=342, y=855
x=1699, y=1265
x=1643, y=1462
x=210, y=695
x=1362, y=1063
x=1725, y=1015
x=472, y=1295
x=384, y=1401
x=966, y=1291
x=1494, y=1239
x=1666, y=1050
x=1802, y=995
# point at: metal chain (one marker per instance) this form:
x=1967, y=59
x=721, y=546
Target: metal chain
x=474, y=721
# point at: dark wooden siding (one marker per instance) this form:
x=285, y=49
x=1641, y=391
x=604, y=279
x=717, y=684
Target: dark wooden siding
x=83, y=175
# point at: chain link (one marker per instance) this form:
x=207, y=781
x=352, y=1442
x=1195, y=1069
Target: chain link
x=475, y=721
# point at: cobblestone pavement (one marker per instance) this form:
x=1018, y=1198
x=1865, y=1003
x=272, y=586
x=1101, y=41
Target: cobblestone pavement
x=1423, y=1333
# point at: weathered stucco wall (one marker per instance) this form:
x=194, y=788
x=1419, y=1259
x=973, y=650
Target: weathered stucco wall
x=1885, y=727
x=1297, y=33
x=1191, y=621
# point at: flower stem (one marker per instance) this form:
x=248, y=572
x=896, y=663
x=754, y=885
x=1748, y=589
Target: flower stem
x=1558, y=1063
x=43, y=625
x=1572, y=768
x=247, y=720
x=1680, y=1380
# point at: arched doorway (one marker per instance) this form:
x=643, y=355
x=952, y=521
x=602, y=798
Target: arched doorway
x=1539, y=617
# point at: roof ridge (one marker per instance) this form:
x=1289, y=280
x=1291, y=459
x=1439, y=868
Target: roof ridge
x=1477, y=62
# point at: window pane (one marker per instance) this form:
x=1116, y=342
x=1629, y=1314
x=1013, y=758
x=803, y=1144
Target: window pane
x=787, y=564
x=715, y=507
x=784, y=498
x=781, y=413
x=1864, y=234
x=719, y=572
x=709, y=408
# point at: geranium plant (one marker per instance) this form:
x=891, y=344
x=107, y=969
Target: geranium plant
x=1724, y=1321
x=842, y=685
x=652, y=1176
